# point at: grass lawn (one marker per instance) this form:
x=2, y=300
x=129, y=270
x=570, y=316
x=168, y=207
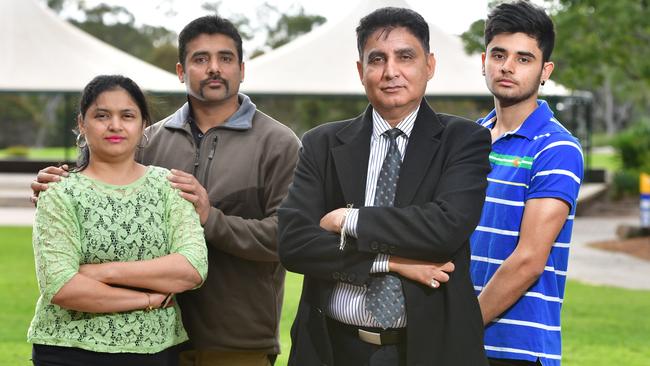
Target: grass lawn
x=46, y=153
x=607, y=161
x=19, y=294
x=601, y=325
x=605, y=326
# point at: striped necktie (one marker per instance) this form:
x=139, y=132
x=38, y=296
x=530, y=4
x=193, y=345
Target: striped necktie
x=385, y=298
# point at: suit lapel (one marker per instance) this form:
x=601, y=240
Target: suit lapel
x=351, y=158
x=422, y=146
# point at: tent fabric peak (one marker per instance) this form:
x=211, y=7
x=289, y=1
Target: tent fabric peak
x=43, y=53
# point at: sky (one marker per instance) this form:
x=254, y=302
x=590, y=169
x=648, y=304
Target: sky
x=453, y=16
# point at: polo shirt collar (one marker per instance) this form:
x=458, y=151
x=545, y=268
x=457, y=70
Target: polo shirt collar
x=532, y=126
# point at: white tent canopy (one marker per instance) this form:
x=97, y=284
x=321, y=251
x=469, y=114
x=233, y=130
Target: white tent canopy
x=42, y=53
x=322, y=62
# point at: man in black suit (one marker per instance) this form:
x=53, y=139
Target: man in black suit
x=379, y=215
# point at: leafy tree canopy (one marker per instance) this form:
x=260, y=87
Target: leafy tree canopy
x=274, y=27
x=115, y=25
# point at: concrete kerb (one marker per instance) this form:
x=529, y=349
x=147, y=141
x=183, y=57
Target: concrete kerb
x=17, y=216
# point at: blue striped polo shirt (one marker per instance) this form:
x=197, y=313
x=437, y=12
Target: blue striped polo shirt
x=540, y=159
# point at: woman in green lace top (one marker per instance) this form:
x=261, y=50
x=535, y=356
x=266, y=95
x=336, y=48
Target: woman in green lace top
x=112, y=243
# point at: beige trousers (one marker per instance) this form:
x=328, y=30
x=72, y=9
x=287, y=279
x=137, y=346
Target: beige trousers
x=217, y=358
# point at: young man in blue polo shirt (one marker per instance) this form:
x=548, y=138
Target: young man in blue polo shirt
x=520, y=248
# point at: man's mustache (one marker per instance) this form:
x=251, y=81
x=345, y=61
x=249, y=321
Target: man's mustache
x=217, y=78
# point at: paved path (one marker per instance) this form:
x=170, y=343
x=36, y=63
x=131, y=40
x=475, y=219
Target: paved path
x=600, y=267
x=14, y=190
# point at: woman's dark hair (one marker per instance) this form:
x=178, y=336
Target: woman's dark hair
x=92, y=91
x=522, y=17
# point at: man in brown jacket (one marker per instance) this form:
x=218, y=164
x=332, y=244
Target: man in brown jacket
x=234, y=163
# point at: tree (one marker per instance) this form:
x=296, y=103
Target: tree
x=115, y=25
x=240, y=21
x=276, y=27
x=602, y=46
x=473, y=37
x=290, y=26
x=56, y=5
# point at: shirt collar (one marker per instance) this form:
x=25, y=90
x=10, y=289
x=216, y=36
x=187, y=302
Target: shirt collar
x=532, y=126
x=380, y=125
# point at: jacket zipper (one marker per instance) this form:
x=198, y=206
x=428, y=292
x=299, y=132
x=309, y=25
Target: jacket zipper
x=213, y=149
x=196, y=161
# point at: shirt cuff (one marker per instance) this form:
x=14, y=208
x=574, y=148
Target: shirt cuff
x=350, y=224
x=380, y=265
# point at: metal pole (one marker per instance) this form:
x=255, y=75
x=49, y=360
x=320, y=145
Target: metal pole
x=575, y=104
x=588, y=118
x=66, y=128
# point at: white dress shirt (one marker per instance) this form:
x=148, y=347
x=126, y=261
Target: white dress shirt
x=347, y=303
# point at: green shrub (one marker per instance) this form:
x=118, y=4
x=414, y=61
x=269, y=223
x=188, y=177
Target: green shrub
x=633, y=146
x=17, y=151
x=601, y=139
x=625, y=183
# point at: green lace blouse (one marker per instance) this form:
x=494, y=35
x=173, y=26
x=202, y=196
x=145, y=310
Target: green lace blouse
x=81, y=220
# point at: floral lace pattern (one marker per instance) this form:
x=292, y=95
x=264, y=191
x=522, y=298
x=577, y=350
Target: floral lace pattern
x=81, y=220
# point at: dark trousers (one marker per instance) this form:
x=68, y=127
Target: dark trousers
x=511, y=362
x=43, y=355
x=349, y=350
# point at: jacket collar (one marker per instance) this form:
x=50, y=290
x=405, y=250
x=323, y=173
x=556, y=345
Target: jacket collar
x=242, y=119
x=351, y=157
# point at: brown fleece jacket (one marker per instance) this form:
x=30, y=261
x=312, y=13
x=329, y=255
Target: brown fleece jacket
x=246, y=166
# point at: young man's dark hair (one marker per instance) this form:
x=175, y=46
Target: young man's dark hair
x=210, y=24
x=390, y=18
x=522, y=17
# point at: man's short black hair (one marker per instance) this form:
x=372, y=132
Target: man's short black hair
x=522, y=17
x=210, y=24
x=389, y=18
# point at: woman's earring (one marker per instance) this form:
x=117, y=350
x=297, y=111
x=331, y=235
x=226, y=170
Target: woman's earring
x=81, y=141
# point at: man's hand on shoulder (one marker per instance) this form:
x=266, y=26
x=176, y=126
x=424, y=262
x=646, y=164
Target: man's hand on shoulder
x=45, y=176
x=192, y=191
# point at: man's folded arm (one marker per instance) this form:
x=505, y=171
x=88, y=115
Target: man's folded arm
x=304, y=246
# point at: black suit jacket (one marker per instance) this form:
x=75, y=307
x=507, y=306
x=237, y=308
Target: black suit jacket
x=438, y=203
